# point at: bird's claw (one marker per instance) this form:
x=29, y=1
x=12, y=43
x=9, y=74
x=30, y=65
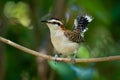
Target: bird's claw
x=73, y=58
x=55, y=57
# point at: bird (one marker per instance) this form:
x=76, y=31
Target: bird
x=65, y=41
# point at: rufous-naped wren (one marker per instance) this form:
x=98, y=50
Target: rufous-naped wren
x=67, y=41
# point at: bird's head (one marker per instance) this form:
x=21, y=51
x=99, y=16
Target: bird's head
x=54, y=23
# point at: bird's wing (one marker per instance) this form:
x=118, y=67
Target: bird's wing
x=80, y=27
x=74, y=36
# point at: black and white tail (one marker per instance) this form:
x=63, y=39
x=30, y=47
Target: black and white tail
x=81, y=22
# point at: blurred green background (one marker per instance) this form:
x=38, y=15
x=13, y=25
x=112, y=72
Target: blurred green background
x=20, y=22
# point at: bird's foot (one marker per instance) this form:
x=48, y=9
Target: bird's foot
x=73, y=58
x=56, y=56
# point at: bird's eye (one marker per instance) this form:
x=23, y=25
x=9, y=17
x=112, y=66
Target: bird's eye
x=56, y=23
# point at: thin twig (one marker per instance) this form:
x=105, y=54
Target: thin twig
x=47, y=57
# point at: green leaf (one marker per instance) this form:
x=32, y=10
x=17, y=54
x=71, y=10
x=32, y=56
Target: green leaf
x=83, y=52
x=19, y=11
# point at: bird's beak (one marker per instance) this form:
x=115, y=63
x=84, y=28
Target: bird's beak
x=45, y=21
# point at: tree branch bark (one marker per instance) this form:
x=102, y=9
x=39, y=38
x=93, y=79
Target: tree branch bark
x=47, y=57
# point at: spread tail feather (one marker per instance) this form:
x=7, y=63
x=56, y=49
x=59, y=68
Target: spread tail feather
x=81, y=22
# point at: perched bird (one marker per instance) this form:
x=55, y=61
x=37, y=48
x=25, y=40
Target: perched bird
x=66, y=41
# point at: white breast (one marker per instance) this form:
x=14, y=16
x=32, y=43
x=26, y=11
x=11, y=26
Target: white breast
x=62, y=44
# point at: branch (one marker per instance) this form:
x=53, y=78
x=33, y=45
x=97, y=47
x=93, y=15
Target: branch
x=47, y=57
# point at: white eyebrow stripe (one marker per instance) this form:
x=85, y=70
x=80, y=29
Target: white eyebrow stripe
x=55, y=21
